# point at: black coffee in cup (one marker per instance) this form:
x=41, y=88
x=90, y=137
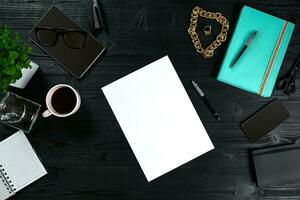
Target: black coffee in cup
x=64, y=100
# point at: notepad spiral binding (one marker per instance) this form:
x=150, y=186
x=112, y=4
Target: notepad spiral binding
x=6, y=181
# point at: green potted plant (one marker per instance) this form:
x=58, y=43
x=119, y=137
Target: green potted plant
x=15, y=67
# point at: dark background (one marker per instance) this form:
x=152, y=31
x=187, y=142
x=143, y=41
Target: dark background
x=87, y=155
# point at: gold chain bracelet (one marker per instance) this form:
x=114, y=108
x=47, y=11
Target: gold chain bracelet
x=207, y=52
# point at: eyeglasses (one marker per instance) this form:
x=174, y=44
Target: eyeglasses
x=73, y=38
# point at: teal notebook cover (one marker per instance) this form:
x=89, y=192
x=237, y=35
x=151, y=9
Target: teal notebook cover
x=257, y=69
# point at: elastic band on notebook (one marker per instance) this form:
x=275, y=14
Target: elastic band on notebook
x=273, y=57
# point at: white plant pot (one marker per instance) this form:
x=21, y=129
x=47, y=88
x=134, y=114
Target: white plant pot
x=27, y=74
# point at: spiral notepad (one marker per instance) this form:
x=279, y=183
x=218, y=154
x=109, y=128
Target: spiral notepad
x=19, y=165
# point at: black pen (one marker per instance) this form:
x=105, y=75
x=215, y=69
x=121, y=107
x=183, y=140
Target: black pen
x=247, y=44
x=97, y=23
x=203, y=97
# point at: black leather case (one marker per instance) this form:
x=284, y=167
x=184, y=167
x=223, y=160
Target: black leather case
x=277, y=165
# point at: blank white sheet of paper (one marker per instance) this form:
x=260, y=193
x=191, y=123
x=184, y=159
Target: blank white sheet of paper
x=157, y=118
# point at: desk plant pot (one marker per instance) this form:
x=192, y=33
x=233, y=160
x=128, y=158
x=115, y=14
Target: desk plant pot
x=15, y=66
x=27, y=74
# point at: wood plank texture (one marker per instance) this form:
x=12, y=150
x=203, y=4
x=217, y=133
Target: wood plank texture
x=87, y=155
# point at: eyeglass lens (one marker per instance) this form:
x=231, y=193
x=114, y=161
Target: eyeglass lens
x=75, y=39
x=47, y=37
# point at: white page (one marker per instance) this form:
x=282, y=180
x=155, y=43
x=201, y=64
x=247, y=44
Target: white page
x=20, y=161
x=157, y=118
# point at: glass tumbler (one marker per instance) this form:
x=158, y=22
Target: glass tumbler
x=18, y=112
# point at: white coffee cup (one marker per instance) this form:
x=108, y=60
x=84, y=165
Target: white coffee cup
x=51, y=110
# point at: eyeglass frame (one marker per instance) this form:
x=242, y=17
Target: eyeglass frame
x=61, y=31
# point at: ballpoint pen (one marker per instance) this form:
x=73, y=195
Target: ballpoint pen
x=97, y=23
x=203, y=97
x=247, y=44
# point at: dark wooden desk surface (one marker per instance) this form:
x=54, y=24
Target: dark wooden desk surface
x=87, y=155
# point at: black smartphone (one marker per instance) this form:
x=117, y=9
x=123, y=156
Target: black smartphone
x=265, y=120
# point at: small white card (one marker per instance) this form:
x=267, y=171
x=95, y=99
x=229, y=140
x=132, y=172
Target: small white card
x=157, y=118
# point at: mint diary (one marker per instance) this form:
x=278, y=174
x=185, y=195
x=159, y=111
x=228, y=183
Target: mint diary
x=257, y=69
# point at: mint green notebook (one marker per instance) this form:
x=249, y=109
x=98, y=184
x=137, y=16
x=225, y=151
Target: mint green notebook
x=257, y=69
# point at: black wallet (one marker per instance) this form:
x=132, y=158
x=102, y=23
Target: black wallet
x=277, y=165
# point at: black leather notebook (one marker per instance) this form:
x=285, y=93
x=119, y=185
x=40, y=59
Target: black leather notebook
x=265, y=120
x=76, y=61
x=277, y=165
